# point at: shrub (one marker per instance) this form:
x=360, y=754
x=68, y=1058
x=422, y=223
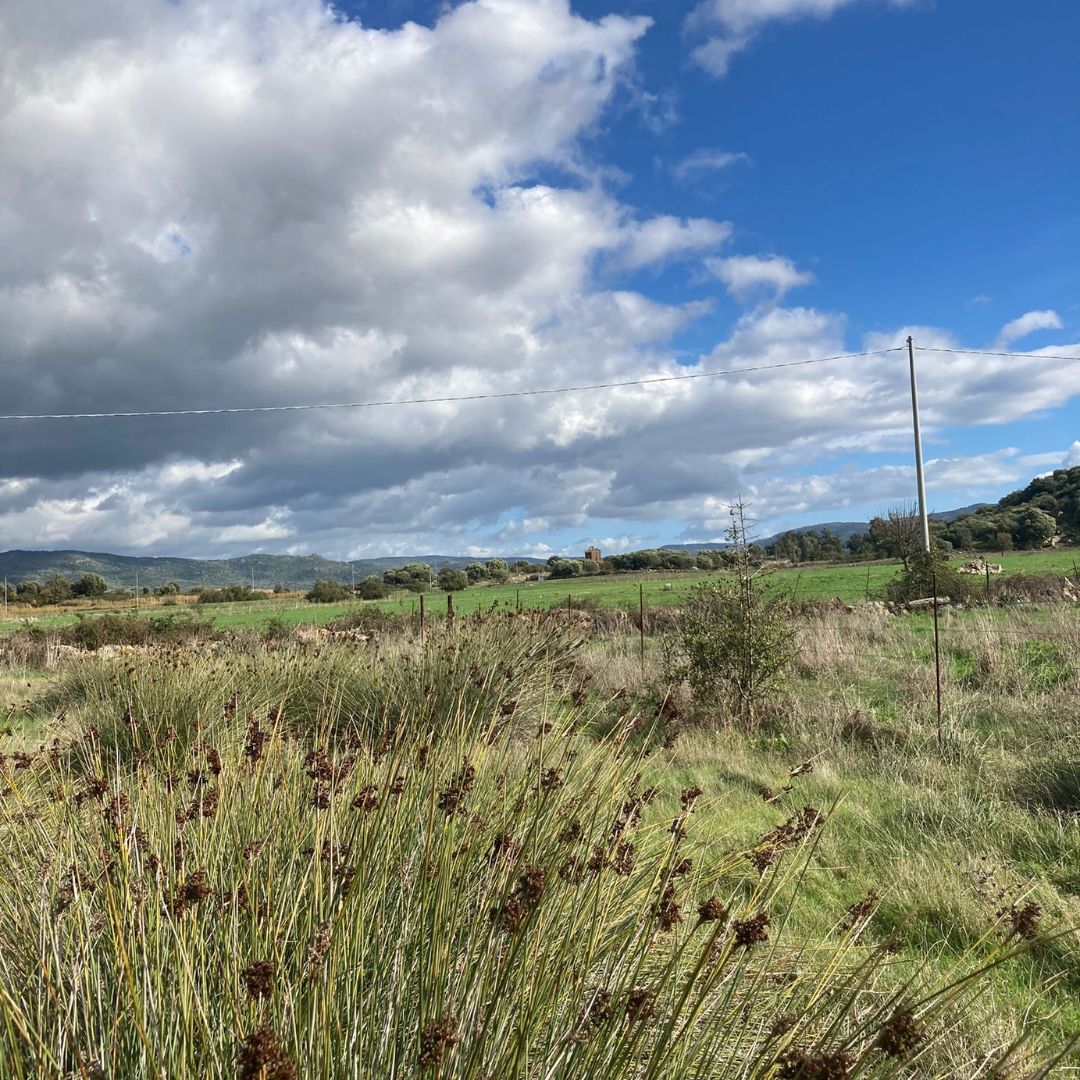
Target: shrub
x=929, y=570
x=372, y=588
x=328, y=592
x=453, y=580
x=89, y=585
x=228, y=594
x=276, y=629
x=737, y=640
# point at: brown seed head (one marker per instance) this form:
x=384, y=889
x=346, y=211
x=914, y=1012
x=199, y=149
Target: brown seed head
x=900, y=1034
x=712, y=911
x=258, y=977
x=689, y=797
x=639, y=1004
x=825, y=1065
x=436, y=1039
x=452, y=798
x=1023, y=922
x=667, y=909
x=752, y=931
x=262, y=1058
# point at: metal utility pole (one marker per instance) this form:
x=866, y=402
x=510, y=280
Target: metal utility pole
x=919, y=474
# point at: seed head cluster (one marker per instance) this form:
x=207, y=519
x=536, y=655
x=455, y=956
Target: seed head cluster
x=1023, y=922
x=262, y=1058
x=798, y=1064
x=900, y=1035
x=526, y=895
x=438, y=1037
x=752, y=931
x=258, y=978
x=452, y=798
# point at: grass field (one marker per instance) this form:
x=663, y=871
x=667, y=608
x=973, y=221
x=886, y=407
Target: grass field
x=358, y=862
x=850, y=583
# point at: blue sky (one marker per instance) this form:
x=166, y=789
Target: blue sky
x=725, y=184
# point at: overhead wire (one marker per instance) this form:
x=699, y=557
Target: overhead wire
x=991, y=352
x=448, y=399
x=507, y=394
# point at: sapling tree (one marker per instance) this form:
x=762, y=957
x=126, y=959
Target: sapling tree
x=737, y=641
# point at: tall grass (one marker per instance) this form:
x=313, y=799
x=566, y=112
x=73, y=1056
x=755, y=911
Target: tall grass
x=329, y=864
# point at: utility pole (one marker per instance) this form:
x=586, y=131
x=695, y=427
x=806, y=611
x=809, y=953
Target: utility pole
x=136, y=590
x=919, y=474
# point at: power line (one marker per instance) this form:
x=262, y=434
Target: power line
x=449, y=399
x=989, y=352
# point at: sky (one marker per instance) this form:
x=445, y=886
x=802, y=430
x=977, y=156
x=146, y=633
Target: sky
x=251, y=203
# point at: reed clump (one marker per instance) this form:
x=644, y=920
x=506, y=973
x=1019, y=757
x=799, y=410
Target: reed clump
x=343, y=864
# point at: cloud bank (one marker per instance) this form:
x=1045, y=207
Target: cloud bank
x=261, y=202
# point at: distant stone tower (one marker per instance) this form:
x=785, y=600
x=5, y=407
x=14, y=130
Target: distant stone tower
x=592, y=554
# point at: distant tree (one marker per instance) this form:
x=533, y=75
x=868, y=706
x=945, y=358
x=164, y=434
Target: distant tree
x=1034, y=527
x=898, y=535
x=523, y=566
x=371, y=588
x=475, y=572
x=28, y=590
x=564, y=568
x=416, y=577
x=327, y=592
x=56, y=590
x=89, y=585
x=170, y=588
x=451, y=580
x=227, y=594
x=676, y=560
x=497, y=569
x=860, y=544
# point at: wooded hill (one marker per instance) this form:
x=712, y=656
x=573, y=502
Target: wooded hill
x=288, y=571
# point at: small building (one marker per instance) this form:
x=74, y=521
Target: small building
x=592, y=554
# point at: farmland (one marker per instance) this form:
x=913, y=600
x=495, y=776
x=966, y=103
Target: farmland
x=849, y=582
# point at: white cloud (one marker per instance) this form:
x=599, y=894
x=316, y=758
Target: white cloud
x=662, y=238
x=201, y=205
x=732, y=24
x=1072, y=456
x=706, y=161
x=748, y=275
x=1028, y=323
x=267, y=529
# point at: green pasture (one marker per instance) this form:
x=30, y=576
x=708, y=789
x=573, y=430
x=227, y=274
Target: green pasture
x=851, y=583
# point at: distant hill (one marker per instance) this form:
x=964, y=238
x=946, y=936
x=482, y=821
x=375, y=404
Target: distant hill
x=1057, y=494
x=289, y=571
x=844, y=529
